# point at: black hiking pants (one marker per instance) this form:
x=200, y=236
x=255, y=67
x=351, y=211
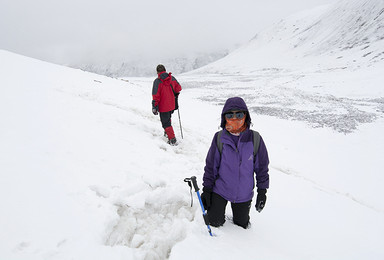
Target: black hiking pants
x=165, y=118
x=216, y=212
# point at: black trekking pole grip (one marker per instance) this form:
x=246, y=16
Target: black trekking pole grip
x=205, y=216
x=194, y=182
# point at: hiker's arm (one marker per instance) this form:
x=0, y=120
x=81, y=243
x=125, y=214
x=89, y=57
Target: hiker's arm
x=261, y=166
x=176, y=85
x=155, y=93
x=211, y=164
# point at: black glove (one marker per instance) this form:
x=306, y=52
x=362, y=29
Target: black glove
x=177, y=101
x=261, y=199
x=155, y=109
x=206, y=197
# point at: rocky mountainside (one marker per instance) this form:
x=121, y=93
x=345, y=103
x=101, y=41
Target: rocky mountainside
x=349, y=33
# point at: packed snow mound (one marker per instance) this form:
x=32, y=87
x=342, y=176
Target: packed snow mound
x=350, y=33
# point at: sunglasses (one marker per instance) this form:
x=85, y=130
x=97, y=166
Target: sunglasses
x=239, y=115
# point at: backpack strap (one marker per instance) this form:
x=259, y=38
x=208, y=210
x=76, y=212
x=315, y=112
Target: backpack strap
x=170, y=75
x=218, y=141
x=256, y=142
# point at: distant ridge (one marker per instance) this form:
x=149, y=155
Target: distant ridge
x=349, y=33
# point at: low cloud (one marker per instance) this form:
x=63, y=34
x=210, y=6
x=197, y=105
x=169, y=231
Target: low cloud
x=80, y=31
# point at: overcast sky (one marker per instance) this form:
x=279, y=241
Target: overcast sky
x=82, y=30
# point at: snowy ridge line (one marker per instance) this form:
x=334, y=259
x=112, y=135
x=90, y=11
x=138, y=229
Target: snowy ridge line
x=345, y=34
x=144, y=68
x=327, y=189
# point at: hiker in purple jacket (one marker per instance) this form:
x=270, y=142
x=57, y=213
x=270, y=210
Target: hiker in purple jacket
x=229, y=173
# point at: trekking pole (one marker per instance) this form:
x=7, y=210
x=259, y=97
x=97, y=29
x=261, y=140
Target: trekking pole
x=181, y=129
x=205, y=216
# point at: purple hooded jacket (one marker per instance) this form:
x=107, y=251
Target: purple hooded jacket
x=231, y=175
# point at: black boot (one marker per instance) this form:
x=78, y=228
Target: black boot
x=173, y=141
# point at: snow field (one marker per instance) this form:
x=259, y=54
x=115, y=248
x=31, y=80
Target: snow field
x=86, y=172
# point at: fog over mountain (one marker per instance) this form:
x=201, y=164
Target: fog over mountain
x=349, y=33
x=147, y=67
x=121, y=37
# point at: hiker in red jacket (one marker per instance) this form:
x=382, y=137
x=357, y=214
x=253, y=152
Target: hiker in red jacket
x=165, y=93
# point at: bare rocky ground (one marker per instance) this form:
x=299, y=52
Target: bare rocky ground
x=284, y=95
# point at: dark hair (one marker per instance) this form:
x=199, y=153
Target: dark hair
x=160, y=68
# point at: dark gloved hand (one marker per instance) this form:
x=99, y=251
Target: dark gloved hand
x=261, y=199
x=155, y=111
x=177, y=101
x=206, y=197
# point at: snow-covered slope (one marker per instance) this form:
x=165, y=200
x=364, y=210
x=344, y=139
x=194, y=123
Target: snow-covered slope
x=87, y=174
x=79, y=151
x=333, y=54
x=347, y=34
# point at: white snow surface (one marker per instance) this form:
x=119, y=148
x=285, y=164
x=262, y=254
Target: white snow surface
x=87, y=174
x=347, y=34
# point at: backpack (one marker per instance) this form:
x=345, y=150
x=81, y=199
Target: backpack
x=174, y=93
x=256, y=142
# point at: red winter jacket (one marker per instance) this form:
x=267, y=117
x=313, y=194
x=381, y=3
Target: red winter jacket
x=162, y=94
